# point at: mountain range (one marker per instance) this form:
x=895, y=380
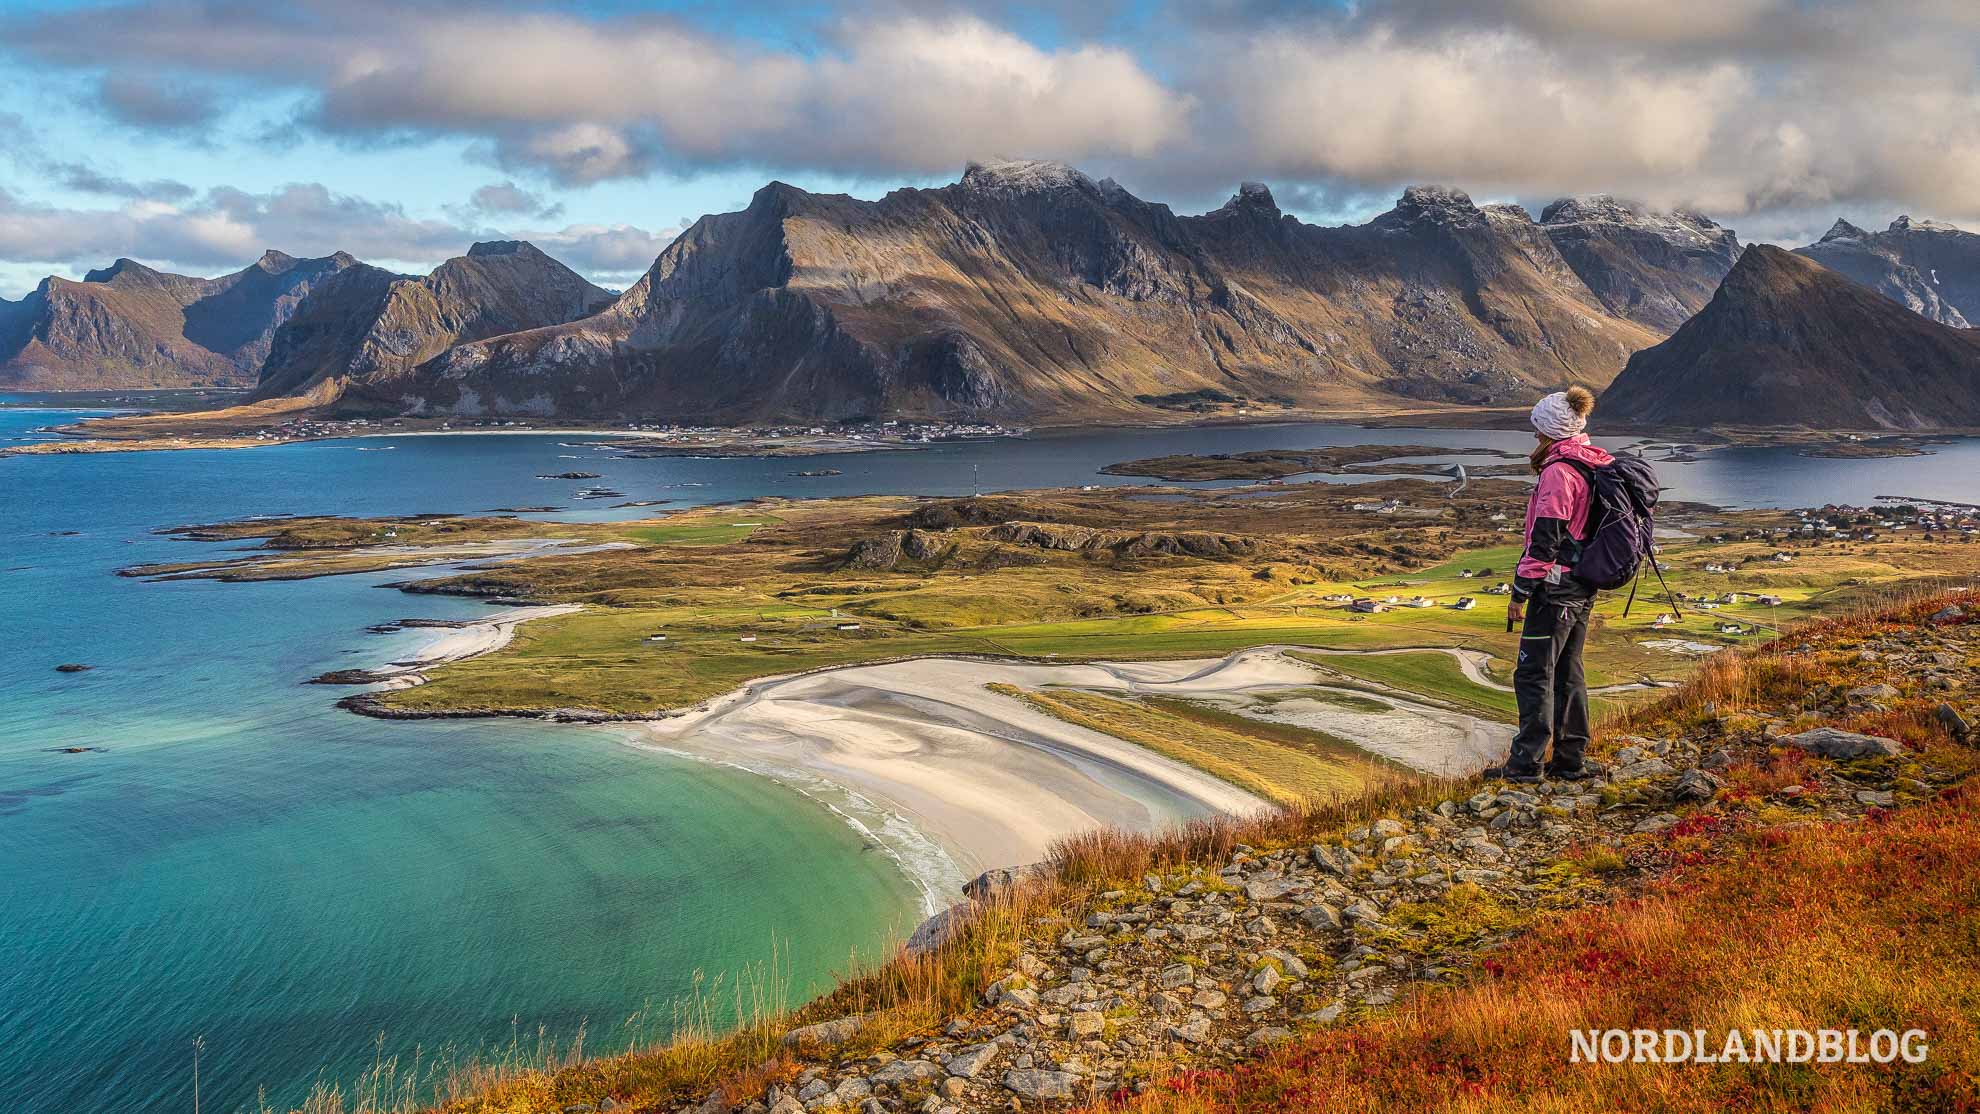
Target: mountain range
x=1029, y=290
x=1025, y=291
x=130, y=326
x=1926, y=266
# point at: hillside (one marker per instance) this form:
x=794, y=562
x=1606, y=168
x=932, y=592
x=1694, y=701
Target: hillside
x=1786, y=341
x=1655, y=268
x=364, y=336
x=1787, y=840
x=1031, y=291
x=128, y=325
x=1927, y=267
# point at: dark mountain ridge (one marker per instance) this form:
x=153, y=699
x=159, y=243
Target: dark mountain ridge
x=128, y=325
x=363, y=335
x=1927, y=267
x=1029, y=290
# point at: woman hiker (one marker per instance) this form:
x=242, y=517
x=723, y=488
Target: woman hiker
x=1553, y=606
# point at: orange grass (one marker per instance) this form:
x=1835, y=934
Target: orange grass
x=1866, y=926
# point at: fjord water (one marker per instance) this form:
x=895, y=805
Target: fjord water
x=302, y=886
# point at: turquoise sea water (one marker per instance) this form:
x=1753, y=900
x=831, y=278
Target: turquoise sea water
x=302, y=886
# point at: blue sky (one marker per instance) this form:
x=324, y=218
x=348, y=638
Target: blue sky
x=192, y=134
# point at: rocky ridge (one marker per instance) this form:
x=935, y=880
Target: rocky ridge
x=1656, y=268
x=1205, y=966
x=128, y=325
x=366, y=336
x=1930, y=268
x=1029, y=290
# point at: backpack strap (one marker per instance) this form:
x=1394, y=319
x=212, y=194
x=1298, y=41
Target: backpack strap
x=1594, y=499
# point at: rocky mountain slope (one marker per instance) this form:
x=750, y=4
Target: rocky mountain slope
x=1787, y=341
x=128, y=325
x=362, y=336
x=1925, y=266
x=1656, y=268
x=1028, y=290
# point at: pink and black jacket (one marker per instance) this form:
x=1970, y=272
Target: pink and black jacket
x=1557, y=514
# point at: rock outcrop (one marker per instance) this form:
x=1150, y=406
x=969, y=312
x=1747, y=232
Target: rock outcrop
x=1930, y=268
x=1030, y=291
x=1787, y=341
x=128, y=325
x=366, y=336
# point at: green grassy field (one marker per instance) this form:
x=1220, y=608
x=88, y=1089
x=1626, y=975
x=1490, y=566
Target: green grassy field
x=777, y=573
x=703, y=529
x=1432, y=674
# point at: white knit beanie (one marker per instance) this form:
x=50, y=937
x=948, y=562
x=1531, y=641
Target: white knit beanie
x=1557, y=418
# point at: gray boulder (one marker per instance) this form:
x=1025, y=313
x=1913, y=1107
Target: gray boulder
x=905, y=1073
x=1697, y=785
x=1033, y=1083
x=825, y=1034
x=1338, y=861
x=1829, y=742
x=971, y=1061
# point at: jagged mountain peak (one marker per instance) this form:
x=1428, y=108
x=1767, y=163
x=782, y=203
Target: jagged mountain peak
x=1842, y=230
x=1929, y=267
x=276, y=262
x=122, y=268
x=1594, y=206
x=1676, y=224
x=1430, y=196
x=776, y=197
x=1908, y=223
x=365, y=332
x=1433, y=205
x=1021, y=176
x=1252, y=197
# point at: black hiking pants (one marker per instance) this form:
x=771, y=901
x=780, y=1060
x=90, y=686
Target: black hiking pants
x=1548, y=681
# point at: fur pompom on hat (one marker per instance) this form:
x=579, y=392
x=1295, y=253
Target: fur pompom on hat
x=1563, y=414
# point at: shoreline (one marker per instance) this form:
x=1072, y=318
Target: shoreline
x=1824, y=444
x=954, y=779
x=454, y=642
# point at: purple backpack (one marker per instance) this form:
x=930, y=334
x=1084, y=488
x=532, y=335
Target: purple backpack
x=1622, y=500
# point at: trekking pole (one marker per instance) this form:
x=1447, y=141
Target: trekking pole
x=1668, y=594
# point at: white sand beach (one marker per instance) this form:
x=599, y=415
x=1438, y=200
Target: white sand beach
x=456, y=643
x=481, y=636
x=954, y=779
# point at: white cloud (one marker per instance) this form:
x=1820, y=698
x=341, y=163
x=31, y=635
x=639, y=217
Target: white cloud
x=584, y=101
x=1741, y=107
x=611, y=255
x=225, y=229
